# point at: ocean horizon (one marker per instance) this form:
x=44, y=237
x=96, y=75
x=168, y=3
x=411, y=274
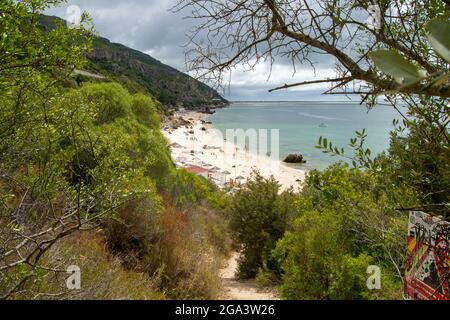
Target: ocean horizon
x=301, y=123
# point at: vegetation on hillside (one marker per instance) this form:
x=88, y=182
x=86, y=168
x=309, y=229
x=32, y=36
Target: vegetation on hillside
x=86, y=179
x=139, y=72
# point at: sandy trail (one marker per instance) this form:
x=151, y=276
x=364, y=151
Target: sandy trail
x=241, y=290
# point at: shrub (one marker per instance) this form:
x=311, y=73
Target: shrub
x=315, y=262
x=144, y=109
x=258, y=216
x=110, y=100
x=345, y=221
x=130, y=234
x=180, y=250
x=103, y=277
x=186, y=263
x=186, y=189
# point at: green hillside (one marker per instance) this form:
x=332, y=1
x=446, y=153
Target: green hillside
x=138, y=71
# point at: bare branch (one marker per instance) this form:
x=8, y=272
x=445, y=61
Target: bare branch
x=286, y=86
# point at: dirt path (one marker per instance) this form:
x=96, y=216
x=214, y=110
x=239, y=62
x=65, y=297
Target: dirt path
x=241, y=290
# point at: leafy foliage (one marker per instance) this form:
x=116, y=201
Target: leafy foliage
x=33, y=57
x=361, y=156
x=345, y=221
x=438, y=31
x=258, y=216
x=88, y=158
x=418, y=155
x=395, y=65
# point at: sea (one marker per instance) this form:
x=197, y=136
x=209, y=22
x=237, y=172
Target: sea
x=301, y=123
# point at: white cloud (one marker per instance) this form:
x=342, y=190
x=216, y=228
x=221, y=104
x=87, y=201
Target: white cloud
x=263, y=75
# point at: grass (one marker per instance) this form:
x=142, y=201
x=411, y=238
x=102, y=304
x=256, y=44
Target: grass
x=103, y=277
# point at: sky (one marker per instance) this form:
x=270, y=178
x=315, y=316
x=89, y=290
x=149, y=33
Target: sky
x=149, y=26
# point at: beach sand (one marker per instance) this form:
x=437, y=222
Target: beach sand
x=188, y=148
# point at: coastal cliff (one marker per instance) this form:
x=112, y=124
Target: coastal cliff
x=170, y=86
x=139, y=72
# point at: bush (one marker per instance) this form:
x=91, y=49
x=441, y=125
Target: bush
x=172, y=246
x=186, y=263
x=346, y=220
x=136, y=227
x=111, y=101
x=258, y=216
x=145, y=111
x=420, y=159
x=121, y=131
x=186, y=190
x=315, y=262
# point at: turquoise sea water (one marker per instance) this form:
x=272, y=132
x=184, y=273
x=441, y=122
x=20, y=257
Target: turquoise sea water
x=302, y=123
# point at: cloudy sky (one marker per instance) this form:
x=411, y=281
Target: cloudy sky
x=149, y=26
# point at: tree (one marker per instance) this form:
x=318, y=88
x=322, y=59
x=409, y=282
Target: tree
x=35, y=58
x=235, y=32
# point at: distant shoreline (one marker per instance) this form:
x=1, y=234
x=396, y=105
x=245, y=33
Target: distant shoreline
x=304, y=101
x=259, y=101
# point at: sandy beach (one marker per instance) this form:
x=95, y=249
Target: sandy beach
x=196, y=143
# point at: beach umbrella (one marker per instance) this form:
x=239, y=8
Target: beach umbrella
x=215, y=169
x=226, y=172
x=240, y=178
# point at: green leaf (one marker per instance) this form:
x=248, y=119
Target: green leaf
x=393, y=64
x=438, y=33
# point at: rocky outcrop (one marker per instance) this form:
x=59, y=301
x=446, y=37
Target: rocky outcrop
x=294, y=158
x=177, y=122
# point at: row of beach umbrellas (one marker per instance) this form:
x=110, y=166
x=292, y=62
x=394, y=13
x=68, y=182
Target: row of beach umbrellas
x=226, y=172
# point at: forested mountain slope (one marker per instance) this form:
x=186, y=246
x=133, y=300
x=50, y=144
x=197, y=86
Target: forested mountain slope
x=141, y=72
